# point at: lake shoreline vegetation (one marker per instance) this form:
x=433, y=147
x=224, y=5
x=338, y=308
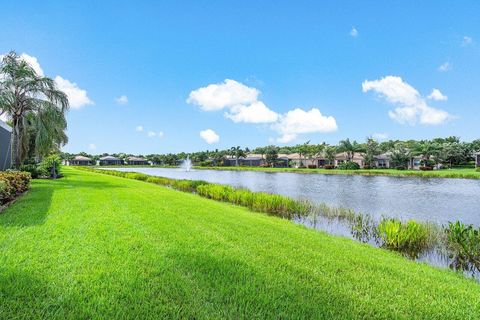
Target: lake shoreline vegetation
x=410, y=238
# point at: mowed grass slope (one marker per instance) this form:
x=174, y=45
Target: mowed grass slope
x=96, y=246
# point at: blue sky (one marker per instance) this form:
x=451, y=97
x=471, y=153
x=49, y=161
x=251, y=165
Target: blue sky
x=297, y=71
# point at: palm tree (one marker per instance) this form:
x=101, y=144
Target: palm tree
x=329, y=153
x=237, y=152
x=29, y=100
x=349, y=148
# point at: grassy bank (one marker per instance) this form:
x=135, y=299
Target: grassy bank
x=98, y=246
x=447, y=173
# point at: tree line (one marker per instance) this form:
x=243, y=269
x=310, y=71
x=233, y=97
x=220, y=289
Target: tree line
x=450, y=151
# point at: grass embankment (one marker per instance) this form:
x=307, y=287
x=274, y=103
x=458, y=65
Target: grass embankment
x=98, y=246
x=446, y=173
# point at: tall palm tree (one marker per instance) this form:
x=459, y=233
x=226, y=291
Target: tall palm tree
x=349, y=148
x=29, y=99
x=237, y=152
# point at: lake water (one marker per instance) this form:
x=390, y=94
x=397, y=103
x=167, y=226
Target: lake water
x=425, y=199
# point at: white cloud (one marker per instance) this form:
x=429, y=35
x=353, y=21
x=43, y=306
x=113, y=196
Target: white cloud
x=123, y=99
x=223, y=95
x=467, y=40
x=209, y=136
x=412, y=107
x=380, y=136
x=139, y=128
x=76, y=96
x=242, y=105
x=437, y=95
x=299, y=121
x=354, y=32
x=240, y=100
x=444, y=67
x=257, y=112
x=92, y=146
x=152, y=134
x=33, y=62
x=160, y=134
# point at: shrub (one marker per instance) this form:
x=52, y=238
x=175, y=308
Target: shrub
x=478, y=169
x=400, y=168
x=329, y=166
x=312, y=166
x=368, y=167
x=32, y=169
x=348, y=165
x=50, y=166
x=410, y=238
x=12, y=183
x=426, y=168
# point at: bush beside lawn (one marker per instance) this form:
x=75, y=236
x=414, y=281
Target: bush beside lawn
x=99, y=246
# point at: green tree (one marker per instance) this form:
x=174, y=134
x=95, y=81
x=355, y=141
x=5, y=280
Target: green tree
x=35, y=107
x=271, y=155
x=237, y=152
x=330, y=152
x=372, y=149
x=400, y=156
x=350, y=148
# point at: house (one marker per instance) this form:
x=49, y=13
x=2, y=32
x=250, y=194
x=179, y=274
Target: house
x=477, y=159
x=382, y=161
x=357, y=158
x=109, y=161
x=251, y=160
x=415, y=163
x=136, y=161
x=80, y=161
x=5, y=146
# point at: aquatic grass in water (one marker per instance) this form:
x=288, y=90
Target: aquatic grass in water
x=464, y=245
x=410, y=238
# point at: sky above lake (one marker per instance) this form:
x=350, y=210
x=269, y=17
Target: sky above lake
x=146, y=77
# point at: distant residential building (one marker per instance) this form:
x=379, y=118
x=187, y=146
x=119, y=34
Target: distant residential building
x=109, y=161
x=477, y=159
x=357, y=158
x=251, y=160
x=136, y=161
x=5, y=146
x=415, y=163
x=382, y=161
x=80, y=161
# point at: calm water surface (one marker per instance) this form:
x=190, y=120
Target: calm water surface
x=426, y=199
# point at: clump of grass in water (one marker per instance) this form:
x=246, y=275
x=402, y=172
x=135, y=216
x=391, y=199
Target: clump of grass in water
x=410, y=238
x=258, y=201
x=463, y=242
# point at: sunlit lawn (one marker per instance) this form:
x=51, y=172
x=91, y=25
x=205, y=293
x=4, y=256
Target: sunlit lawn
x=96, y=246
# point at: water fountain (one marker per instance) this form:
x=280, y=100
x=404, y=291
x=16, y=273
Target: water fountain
x=186, y=164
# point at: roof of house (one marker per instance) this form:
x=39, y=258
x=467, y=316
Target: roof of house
x=343, y=156
x=109, y=158
x=383, y=156
x=136, y=159
x=5, y=126
x=82, y=158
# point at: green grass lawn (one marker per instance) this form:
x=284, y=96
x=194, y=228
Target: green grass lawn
x=447, y=173
x=92, y=246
